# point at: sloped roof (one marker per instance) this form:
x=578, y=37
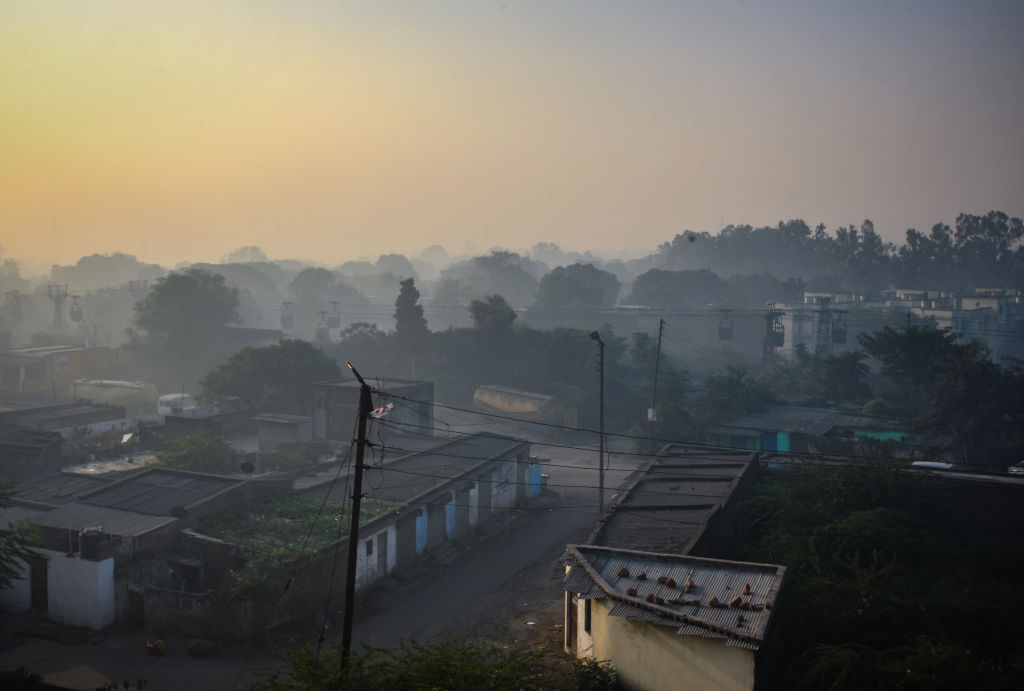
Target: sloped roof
x=156, y=491
x=667, y=502
x=710, y=598
x=77, y=517
x=816, y=422
x=60, y=488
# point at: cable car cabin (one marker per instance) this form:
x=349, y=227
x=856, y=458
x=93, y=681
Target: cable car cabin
x=322, y=332
x=75, y=313
x=778, y=335
x=334, y=320
x=725, y=329
x=839, y=331
x=287, y=321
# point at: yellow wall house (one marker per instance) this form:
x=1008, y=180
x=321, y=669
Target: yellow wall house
x=53, y=369
x=669, y=621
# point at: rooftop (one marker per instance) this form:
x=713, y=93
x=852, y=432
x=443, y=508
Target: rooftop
x=816, y=422
x=710, y=598
x=57, y=489
x=158, y=490
x=77, y=517
x=282, y=418
x=383, y=384
x=414, y=472
x=666, y=504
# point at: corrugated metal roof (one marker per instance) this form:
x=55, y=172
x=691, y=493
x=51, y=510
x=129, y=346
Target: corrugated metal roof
x=413, y=474
x=813, y=421
x=666, y=504
x=10, y=515
x=158, y=490
x=725, y=599
x=57, y=489
x=77, y=517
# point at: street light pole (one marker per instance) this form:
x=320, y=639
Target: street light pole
x=601, y=443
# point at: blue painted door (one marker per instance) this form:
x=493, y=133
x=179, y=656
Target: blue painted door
x=535, y=481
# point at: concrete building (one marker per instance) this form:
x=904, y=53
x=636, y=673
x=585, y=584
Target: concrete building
x=275, y=430
x=53, y=369
x=438, y=495
x=810, y=430
x=668, y=621
x=336, y=406
x=27, y=452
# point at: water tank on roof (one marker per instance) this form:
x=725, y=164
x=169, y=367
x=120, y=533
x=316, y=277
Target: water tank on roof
x=89, y=543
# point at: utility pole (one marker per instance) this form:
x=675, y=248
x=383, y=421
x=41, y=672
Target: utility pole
x=58, y=293
x=600, y=444
x=365, y=407
x=652, y=414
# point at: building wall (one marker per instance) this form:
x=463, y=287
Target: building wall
x=81, y=591
x=653, y=657
x=18, y=597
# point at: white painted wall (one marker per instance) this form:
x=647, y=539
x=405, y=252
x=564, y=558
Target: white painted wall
x=503, y=487
x=81, y=591
x=367, y=569
x=18, y=597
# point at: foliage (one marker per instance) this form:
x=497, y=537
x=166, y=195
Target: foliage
x=590, y=674
x=182, y=312
x=505, y=273
x=410, y=325
x=295, y=456
x=492, y=314
x=577, y=286
x=201, y=451
x=16, y=543
x=809, y=375
x=460, y=665
x=277, y=377
x=248, y=254
x=661, y=289
x=728, y=395
x=891, y=576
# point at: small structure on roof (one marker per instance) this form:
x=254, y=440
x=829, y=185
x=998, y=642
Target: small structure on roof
x=336, y=406
x=668, y=621
x=275, y=430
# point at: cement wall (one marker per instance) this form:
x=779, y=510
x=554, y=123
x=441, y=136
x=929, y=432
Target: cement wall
x=18, y=597
x=81, y=591
x=655, y=658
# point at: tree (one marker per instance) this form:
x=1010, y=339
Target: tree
x=662, y=289
x=16, y=542
x=249, y=254
x=492, y=314
x=910, y=359
x=184, y=311
x=201, y=451
x=277, y=377
x=578, y=286
x=410, y=325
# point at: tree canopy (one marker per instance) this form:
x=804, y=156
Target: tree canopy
x=276, y=377
x=201, y=451
x=577, y=286
x=183, y=311
x=410, y=325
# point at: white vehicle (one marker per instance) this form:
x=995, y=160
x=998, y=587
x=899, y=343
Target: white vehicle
x=932, y=465
x=176, y=404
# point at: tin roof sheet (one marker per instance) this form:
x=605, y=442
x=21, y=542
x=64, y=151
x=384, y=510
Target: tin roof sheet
x=666, y=504
x=696, y=596
x=158, y=490
x=415, y=472
x=61, y=488
x=77, y=517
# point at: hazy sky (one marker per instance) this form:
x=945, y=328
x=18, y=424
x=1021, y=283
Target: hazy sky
x=327, y=130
